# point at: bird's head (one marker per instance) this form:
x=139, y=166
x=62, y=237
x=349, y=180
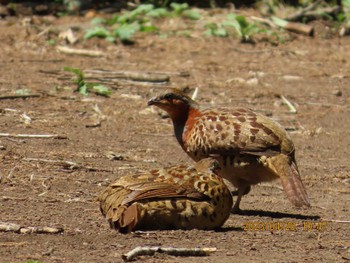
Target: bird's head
x=175, y=102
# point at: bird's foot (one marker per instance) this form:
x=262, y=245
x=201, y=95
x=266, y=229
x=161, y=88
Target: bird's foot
x=237, y=211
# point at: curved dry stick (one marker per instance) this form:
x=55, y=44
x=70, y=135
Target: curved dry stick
x=182, y=252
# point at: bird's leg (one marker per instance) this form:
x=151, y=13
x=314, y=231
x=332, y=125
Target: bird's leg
x=242, y=190
x=247, y=190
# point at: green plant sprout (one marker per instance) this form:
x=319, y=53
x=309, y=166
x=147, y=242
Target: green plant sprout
x=84, y=87
x=241, y=26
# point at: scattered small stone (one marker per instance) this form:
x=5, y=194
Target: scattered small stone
x=252, y=81
x=114, y=156
x=337, y=93
x=291, y=78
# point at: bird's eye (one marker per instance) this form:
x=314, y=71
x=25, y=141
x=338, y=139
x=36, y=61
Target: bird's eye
x=168, y=96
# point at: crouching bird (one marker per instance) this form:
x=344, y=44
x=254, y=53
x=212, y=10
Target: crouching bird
x=250, y=147
x=177, y=197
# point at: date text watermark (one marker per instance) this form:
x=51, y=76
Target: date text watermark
x=320, y=226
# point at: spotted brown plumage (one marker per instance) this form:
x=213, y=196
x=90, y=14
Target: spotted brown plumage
x=251, y=148
x=177, y=197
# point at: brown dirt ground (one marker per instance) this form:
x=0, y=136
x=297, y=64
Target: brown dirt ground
x=314, y=74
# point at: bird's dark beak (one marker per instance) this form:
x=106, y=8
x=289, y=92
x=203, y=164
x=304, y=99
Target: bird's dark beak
x=153, y=101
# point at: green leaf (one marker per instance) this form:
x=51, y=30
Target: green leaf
x=191, y=14
x=83, y=90
x=235, y=25
x=110, y=39
x=23, y=91
x=97, y=32
x=141, y=9
x=242, y=21
x=97, y=21
x=158, y=12
x=101, y=90
x=115, y=19
x=148, y=28
x=51, y=42
x=178, y=8
x=221, y=32
x=346, y=4
x=279, y=22
x=79, y=74
x=126, y=31
x=215, y=30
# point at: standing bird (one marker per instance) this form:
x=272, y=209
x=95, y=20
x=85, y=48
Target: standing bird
x=250, y=147
x=177, y=197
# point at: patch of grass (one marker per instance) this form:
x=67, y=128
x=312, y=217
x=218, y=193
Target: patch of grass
x=125, y=25
x=84, y=87
x=240, y=26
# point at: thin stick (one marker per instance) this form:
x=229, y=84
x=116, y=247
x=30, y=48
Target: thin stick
x=150, y=251
x=5, y=198
x=68, y=164
x=130, y=75
x=298, y=15
x=11, y=227
x=19, y=96
x=34, y=136
x=264, y=20
x=291, y=26
x=315, y=14
x=292, y=109
x=80, y=52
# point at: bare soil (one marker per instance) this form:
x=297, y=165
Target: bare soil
x=312, y=73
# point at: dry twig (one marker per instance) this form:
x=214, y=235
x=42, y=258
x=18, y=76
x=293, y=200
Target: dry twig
x=11, y=227
x=130, y=75
x=314, y=14
x=183, y=252
x=290, y=26
x=34, y=136
x=292, y=109
x=299, y=15
x=19, y=96
x=81, y=52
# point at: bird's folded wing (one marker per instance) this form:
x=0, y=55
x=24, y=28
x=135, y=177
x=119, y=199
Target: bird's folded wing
x=251, y=137
x=161, y=190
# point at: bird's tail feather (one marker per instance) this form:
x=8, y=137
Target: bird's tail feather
x=288, y=172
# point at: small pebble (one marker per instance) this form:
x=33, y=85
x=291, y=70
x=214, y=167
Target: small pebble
x=337, y=93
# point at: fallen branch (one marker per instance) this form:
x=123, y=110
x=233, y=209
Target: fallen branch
x=130, y=75
x=315, y=14
x=183, y=252
x=6, y=198
x=19, y=96
x=34, y=136
x=300, y=14
x=80, y=52
x=290, y=26
x=11, y=227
